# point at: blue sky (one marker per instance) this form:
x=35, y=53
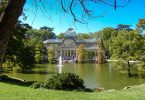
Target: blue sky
x=61, y=22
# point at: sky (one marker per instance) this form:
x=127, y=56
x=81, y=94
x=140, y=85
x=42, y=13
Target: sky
x=60, y=21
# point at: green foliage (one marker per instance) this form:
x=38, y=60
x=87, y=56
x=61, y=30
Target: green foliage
x=83, y=36
x=141, y=66
x=40, y=35
x=96, y=35
x=35, y=39
x=64, y=81
x=11, y=66
x=61, y=36
x=119, y=65
x=51, y=54
x=123, y=43
x=18, y=56
x=81, y=54
x=106, y=33
x=20, y=62
x=105, y=39
x=90, y=55
x=127, y=45
x=8, y=65
x=40, y=52
x=36, y=85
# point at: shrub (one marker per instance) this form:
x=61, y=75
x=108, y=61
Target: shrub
x=141, y=66
x=8, y=66
x=36, y=85
x=64, y=81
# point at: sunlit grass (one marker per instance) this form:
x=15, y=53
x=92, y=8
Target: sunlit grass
x=14, y=92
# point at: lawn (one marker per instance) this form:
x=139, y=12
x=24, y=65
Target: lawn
x=15, y=92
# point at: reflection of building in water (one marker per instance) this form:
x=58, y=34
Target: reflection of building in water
x=66, y=47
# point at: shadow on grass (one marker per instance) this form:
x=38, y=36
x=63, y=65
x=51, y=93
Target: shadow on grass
x=20, y=82
x=15, y=81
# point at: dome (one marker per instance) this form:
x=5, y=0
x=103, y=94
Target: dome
x=70, y=33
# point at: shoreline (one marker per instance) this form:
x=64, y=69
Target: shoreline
x=21, y=82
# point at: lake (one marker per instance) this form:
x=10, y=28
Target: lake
x=94, y=75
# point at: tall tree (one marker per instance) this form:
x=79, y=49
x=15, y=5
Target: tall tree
x=40, y=35
x=17, y=52
x=83, y=36
x=106, y=35
x=124, y=27
x=8, y=20
x=10, y=15
x=40, y=52
x=81, y=54
x=61, y=36
x=51, y=54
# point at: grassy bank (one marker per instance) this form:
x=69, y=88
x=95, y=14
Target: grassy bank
x=15, y=92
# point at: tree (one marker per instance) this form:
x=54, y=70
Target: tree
x=3, y=5
x=18, y=57
x=40, y=52
x=40, y=35
x=141, y=24
x=128, y=45
x=96, y=35
x=61, y=36
x=90, y=55
x=49, y=32
x=106, y=35
x=51, y=54
x=13, y=10
x=124, y=27
x=83, y=36
x=81, y=54
x=8, y=19
x=46, y=28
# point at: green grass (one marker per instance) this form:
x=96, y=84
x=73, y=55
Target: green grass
x=15, y=92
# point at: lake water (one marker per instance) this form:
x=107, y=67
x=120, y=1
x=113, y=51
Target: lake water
x=94, y=75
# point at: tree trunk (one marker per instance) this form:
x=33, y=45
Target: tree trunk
x=8, y=20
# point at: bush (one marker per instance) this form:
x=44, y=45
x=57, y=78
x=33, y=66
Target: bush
x=36, y=85
x=64, y=81
x=141, y=66
x=10, y=65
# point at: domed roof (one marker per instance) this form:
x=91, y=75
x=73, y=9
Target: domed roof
x=70, y=33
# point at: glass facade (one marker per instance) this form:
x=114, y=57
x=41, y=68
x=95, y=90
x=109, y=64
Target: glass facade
x=67, y=47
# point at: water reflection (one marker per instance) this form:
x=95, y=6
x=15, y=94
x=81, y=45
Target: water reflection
x=94, y=75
